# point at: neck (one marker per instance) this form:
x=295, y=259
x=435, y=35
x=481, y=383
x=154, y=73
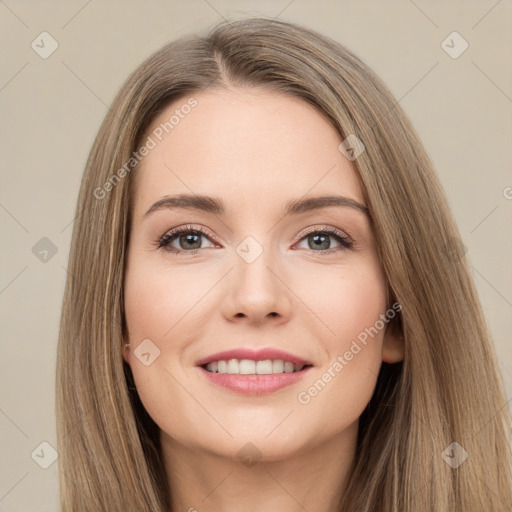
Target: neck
x=314, y=478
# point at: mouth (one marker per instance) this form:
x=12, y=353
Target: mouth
x=253, y=373
x=254, y=367
x=247, y=361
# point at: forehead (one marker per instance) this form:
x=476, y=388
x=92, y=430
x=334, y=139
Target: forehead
x=241, y=143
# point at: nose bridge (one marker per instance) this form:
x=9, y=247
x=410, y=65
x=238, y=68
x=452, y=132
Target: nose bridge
x=255, y=289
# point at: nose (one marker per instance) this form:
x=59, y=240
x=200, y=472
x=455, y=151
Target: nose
x=256, y=292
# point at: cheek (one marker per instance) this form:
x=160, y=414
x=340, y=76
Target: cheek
x=166, y=308
x=351, y=306
x=156, y=303
x=348, y=301
x=156, y=310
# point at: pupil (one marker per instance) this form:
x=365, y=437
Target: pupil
x=326, y=242
x=190, y=239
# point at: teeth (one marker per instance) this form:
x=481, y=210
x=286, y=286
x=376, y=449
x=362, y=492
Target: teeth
x=288, y=367
x=250, y=367
x=278, y=366
x=264, y=367
x=247, y=367
x=233, y=366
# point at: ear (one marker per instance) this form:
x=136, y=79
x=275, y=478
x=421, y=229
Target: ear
x=393, y=343
x=126, y=350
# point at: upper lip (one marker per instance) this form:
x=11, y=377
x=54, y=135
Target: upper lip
x=255, y=355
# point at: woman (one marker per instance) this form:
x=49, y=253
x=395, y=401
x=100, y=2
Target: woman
x=320, y=346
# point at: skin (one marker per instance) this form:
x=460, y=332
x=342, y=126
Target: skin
x=256, y=150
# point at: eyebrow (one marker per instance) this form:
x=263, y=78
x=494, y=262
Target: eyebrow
x=216, y=206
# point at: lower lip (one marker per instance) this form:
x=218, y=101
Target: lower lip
x=254, y=384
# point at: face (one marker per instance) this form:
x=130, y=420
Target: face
x=253, y=276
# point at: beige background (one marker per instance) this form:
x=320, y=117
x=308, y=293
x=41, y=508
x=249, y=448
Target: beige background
x=51, y=109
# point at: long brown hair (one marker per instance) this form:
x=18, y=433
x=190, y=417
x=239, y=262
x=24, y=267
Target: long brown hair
x=448, y=388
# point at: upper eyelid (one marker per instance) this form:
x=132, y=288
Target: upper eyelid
x=184, y=229
x=318, y=228
x=187, y=227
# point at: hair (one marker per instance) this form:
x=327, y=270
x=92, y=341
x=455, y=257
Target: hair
x=448, y=387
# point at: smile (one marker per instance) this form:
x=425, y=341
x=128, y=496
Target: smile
x=251, y=367
x=254, y=372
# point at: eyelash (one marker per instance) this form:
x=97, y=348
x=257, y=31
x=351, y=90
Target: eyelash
x=165, y=240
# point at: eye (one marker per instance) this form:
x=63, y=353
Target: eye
x=318, y=240
x=188, y=237
x=189, y=240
